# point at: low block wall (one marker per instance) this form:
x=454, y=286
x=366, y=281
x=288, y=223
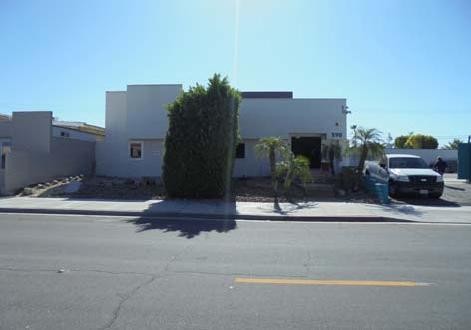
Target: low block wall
x=66, y=157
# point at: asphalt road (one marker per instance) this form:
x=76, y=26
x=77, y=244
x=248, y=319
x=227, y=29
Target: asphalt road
x=71, y=272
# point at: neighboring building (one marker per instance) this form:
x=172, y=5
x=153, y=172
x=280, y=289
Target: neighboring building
x=34, y=150
x=77, y=130
x=136, y=126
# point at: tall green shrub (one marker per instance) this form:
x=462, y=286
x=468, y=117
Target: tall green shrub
x=201, y=140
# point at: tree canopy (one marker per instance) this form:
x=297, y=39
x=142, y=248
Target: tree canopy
x=420, y=141
x=400, y=141
x=415, y=141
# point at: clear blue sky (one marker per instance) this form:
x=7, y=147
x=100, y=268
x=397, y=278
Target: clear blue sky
x=403, y=65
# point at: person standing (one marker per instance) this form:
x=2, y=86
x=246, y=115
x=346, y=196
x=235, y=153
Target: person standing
x=440, y=166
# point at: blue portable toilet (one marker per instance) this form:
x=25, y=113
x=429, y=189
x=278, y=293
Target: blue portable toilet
x=382, y=193
x=464, y=161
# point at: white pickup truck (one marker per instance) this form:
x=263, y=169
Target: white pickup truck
x=406, y=174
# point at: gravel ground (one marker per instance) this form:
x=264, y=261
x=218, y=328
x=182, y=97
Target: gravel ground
x=245, y=190
x=457, y=193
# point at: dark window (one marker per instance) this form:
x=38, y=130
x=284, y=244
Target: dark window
x=240, y=150
x=135, y=150
x=406, y=162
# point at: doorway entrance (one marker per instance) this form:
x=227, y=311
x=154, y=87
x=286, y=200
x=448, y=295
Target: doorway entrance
x=309, y=147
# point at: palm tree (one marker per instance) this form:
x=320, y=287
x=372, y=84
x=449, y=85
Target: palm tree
x=453, y=145
x=270, y=147
x=367, y=141
x=293, y=168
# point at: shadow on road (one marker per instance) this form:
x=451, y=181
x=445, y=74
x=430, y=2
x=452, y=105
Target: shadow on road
x=188, y=226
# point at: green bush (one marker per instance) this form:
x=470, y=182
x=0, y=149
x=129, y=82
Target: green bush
x=201, y=140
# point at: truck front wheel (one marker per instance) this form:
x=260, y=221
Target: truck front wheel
x=436, y=195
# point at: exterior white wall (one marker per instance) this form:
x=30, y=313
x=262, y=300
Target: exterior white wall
x=251, y=165
x=112, y=155
x=282, y=117
x=429, y=155
x=146, y=110
x=73, y=134
x=151, y=162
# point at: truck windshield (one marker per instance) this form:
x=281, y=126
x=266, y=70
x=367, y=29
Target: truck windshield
x=407, y=163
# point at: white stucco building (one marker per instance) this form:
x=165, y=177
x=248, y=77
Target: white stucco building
x=136, y=126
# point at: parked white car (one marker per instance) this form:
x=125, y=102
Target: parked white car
x=406, y=174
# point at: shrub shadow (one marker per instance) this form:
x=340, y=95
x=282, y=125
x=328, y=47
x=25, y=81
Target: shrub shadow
x=186, y=228
x=189, y=219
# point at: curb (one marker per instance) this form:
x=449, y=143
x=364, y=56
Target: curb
x=208, y=216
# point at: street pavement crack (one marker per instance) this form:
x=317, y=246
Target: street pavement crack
x=130, y=294
x=26, y=270
x=174, y=258
x=235, y=274
x=123, y=299
x=55, y=270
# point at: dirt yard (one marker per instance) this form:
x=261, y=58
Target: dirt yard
x=247, y=190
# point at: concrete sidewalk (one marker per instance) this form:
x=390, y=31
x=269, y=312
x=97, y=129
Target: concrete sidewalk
x=312, y=211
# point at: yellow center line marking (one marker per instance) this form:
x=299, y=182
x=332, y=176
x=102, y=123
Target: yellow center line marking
x=285, y=281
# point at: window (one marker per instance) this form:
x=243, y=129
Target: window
x=135, y=150
x=406, y=162
x=240, y=150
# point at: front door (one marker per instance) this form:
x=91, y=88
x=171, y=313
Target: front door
x=308, y=146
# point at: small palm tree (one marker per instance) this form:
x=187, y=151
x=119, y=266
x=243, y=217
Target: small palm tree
x=293, y=169
x=271, y=147
x=367, y=141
